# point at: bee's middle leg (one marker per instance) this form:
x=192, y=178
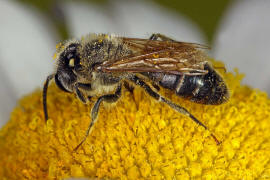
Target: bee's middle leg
x=94, y=112
x=162, y=37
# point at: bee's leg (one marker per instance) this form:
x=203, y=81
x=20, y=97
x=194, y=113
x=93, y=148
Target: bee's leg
x=84, y=86
x=89, y=98
x=79, y=93
x=162, y=37
x=94, y=112
x=176, y=107
x=155, y=86
x=129, y=87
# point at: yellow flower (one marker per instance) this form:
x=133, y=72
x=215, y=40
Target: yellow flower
x=139, y=138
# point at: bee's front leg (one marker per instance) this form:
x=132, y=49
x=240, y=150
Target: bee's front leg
x=78, y=86
x=94, y=112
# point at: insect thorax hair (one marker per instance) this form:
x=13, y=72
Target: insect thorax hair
x=97, y=48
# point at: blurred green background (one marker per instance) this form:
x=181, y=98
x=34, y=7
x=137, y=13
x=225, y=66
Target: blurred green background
x=205, y=13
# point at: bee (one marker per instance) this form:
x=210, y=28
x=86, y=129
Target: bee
x=99, y=65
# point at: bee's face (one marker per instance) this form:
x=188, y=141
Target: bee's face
x=68, y=64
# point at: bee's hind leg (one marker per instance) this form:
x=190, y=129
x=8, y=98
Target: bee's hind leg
x=176, y=107
x=158, y=36
x=129, y=87
x=94, y=112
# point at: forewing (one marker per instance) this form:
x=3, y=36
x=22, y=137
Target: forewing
x=159, y=56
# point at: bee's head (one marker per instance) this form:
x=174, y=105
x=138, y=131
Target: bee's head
x=67, y=68
x=68, y=64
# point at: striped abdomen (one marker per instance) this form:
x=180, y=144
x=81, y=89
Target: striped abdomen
x=206, y=89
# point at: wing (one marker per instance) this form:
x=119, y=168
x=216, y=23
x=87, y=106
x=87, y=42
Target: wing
x=159, y=56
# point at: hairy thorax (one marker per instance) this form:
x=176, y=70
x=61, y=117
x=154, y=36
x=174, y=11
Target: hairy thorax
x=97, y=49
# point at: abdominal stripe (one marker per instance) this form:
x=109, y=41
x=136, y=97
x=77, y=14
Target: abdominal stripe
x=187, y=86
x=180, y=83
